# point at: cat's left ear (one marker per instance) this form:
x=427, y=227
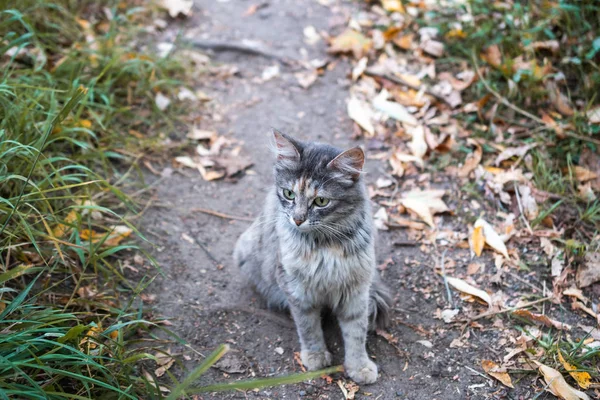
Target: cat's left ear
x=350, y=162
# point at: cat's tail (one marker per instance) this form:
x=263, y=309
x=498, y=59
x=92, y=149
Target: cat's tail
x=380, y=302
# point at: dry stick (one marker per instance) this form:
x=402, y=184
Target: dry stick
x=501, y=98
x=489, y=314
x=448, y=292
x=216, y=45
x=401, y=81
x=220, y=214
x=523, y=217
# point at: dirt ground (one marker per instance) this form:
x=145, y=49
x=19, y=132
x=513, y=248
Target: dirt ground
x=203, y=294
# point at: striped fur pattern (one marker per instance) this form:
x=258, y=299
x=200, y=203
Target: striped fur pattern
x=312, y=248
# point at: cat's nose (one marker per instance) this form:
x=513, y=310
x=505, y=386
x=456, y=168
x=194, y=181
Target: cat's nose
x=299, y=221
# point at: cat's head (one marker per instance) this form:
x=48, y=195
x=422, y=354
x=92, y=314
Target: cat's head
x=318, y=186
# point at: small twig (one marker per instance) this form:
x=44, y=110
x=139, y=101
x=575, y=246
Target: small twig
x=246, y=48
x=523, y=217
x=400, y=81
x=489, y=314
x=404, y=243
x=448, y=292
x=501, y=98
x=220, y=214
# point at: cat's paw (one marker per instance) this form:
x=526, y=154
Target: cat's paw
x=314, y=360
x=363, y=372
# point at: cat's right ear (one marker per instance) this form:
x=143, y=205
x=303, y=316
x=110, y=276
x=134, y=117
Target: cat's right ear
x=286, y=149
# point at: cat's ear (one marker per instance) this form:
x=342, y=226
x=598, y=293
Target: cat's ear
x=350, y=162
x=286, y=148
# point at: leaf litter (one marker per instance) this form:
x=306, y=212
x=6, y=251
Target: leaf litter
x=405, y=106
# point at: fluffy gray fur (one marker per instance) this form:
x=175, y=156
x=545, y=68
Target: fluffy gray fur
x=306, y=258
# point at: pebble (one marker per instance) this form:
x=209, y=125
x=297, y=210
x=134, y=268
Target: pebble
x=302, y=393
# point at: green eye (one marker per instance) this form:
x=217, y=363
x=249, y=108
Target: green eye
x=321, y=201
x=288, y=194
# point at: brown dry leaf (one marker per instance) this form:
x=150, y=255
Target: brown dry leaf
x=558, y=386
x=433, y=47
x=307, y=78
x=200, y=134
x=115, y=236
x=472, y=160
x=393, y=6
x=164, y=362
x=398, y=222
x=418, y=145
x=61, y=230
x=176, y=7
x=405, y=42
x=393, y=109
x=491, y=237
x=348, y=388
x=589, y=272
x=530, y=207
x=492, y=56
x=425, y=204
x=513, y=152
x=582, y=378
x=477, y=241
x=469, y=289
x=86, y=292
x=559, y=100
x=361, y=113
x=541, y=318
x=493, y=369
x=351, y=41
x=582, y=174
x=577, y=293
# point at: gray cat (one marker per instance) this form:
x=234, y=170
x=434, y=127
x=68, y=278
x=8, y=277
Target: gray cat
x=312, y=248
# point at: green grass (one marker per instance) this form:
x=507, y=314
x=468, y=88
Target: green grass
x=76, y=112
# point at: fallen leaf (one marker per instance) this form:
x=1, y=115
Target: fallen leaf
x=162, y=101
x=232, y=363
x=469, y=289
x=176, y=7
x=115, y=236
x=557, y=264
x=381, y=219
x=512, y=152
x=348, y=389
x=311, y=36
x=493, y=369
x=399, y=222
x=418, y=146
x=577, y=293
x=60, y=230
x=558, y=386
x=307, y=78
x=433, y=47
x=583, y=174
x=393, y=6
x=351, y=41
x=593, y=115
x=551, y=45
x=360, y=113
x=541, y=318
x=405, y=42
x=492, y=56
x=270, y=73
x=582, y=378
x=530, y=207
x=425, y=204
x=491, y=237
x=477, y=241
x=448, y=315
x=200, y=134
x=359, y=68
x=559, y=100
x=589, y=271
x=472, y=160
x=393, y=109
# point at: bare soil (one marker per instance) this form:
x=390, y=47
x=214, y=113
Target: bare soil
x=203, y=294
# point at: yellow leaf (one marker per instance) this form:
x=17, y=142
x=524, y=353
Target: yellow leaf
x=85, y=123
x=467, y=288
x=393, y=6
x=497, y=372
x=60, y=230
x=405, y=41
x=492, y=238
x=456, y=33
x=115, y=236
x=582, y=378
x=477, y=240
x=558, y=386
x=351, y=41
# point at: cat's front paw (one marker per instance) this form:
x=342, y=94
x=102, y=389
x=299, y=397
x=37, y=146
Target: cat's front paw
x=364, y=372
x=314, y=360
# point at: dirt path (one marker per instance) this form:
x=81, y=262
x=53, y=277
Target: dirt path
x=203, y=294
